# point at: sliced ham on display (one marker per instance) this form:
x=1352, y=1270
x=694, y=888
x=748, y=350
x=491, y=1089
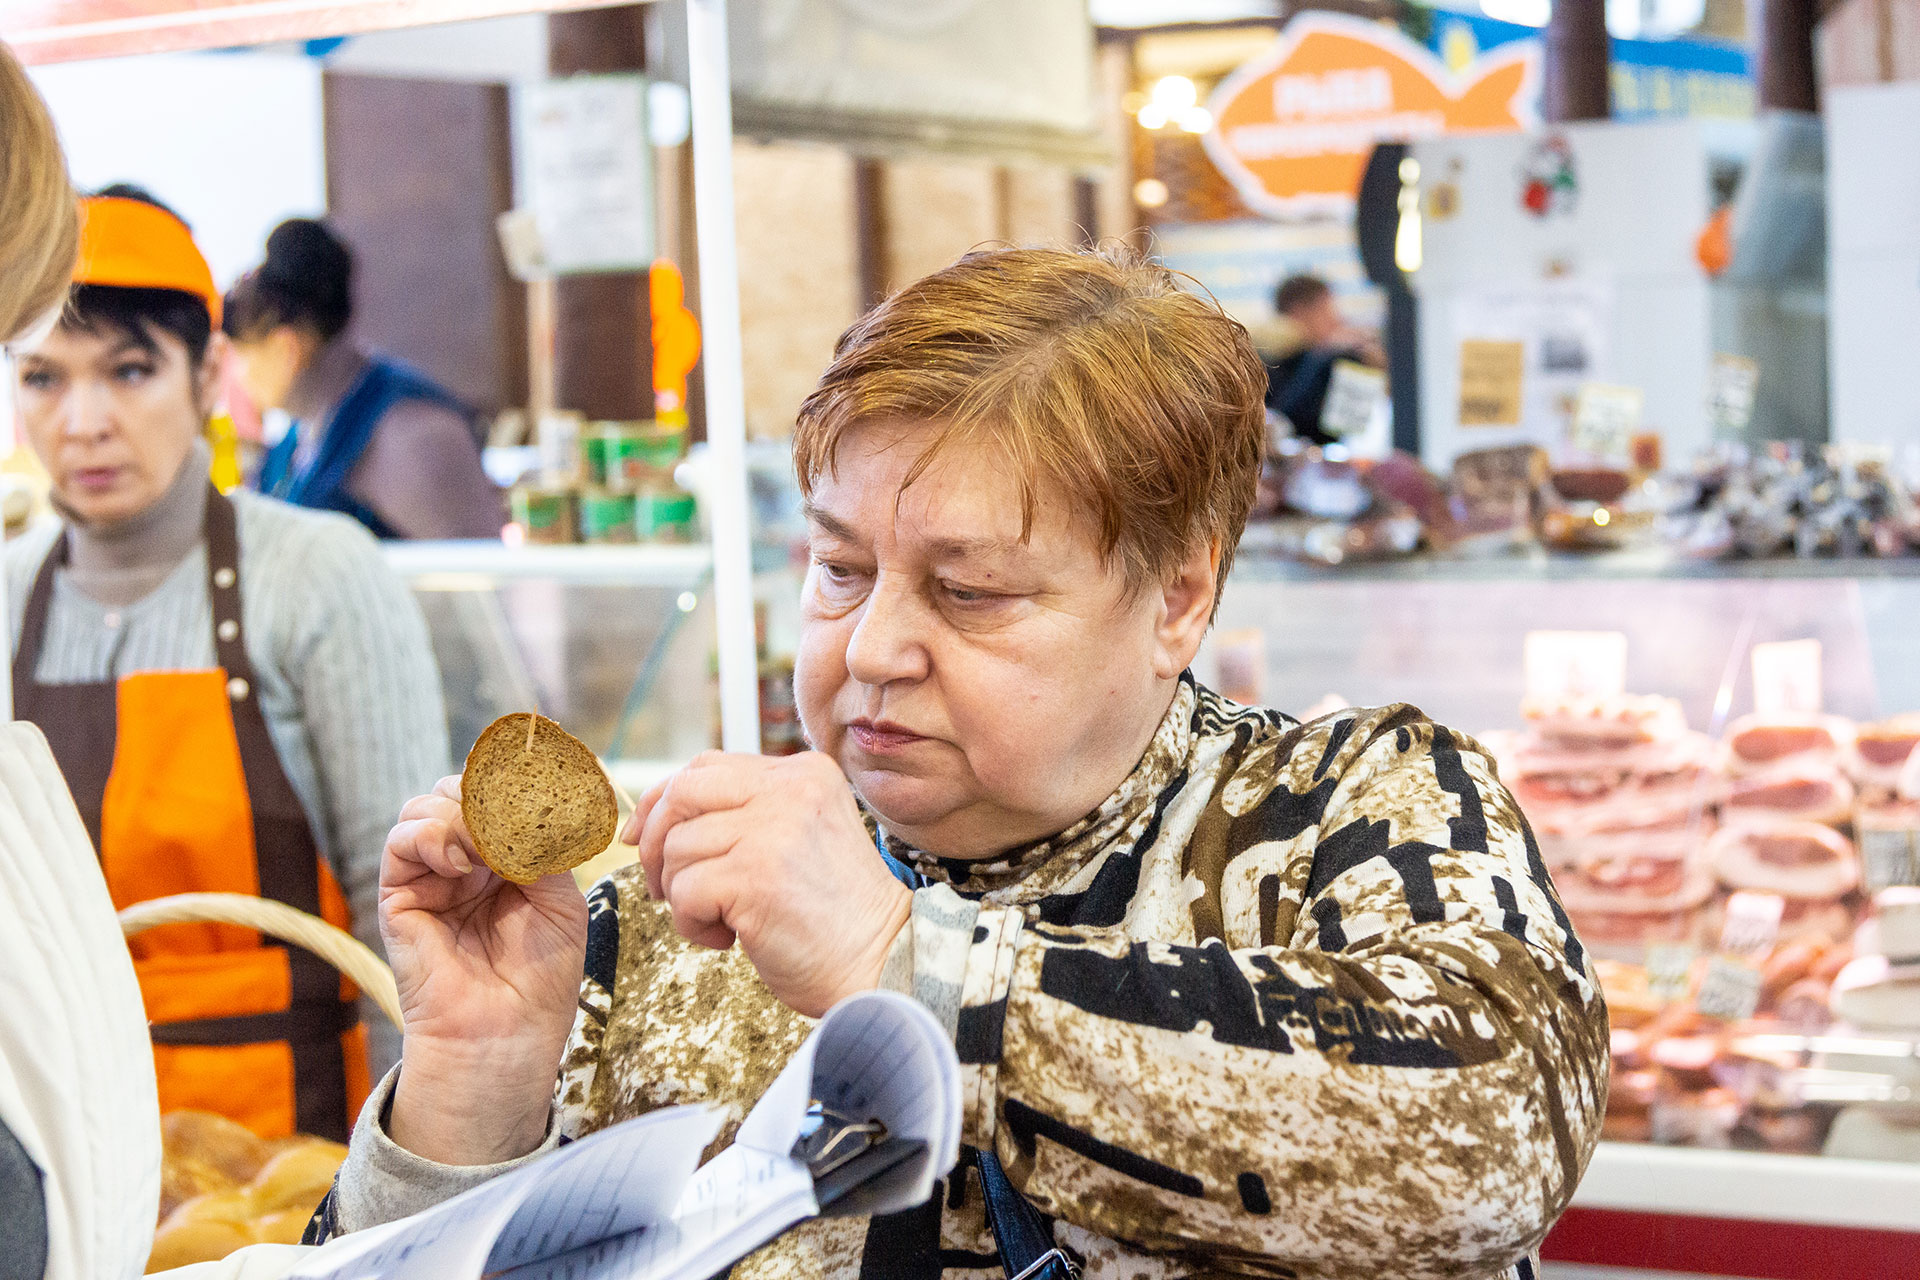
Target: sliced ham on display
x=1798, y=860
x=1880, y=751
x=1621, y=720
x=1759, y=743
x=1581, y=791
x=1803, y=790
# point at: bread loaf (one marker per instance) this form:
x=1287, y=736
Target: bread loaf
x=298, y=1177
x=535, y=799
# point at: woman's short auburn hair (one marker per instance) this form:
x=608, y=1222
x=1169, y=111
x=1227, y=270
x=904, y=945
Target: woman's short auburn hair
x=1099, y=375
x=39, y=213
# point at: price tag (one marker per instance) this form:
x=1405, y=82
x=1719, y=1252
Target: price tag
x=1887, y=857
x=1730, y=990
x=1753, y=923
x=1730, y=388
x=1490, y=378
x=1575, y=664
x=1605, y=420
x=1354, y=394
x=1786, y=678
x=1670, y=970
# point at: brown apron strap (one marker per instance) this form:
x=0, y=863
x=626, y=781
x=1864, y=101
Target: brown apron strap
x=285, y=851
x=33, y=630
x=81, y=721
x=325, y=1025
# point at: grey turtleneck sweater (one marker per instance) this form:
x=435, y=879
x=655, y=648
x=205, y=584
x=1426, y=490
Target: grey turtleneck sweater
x=118, y=564
x=347, y=678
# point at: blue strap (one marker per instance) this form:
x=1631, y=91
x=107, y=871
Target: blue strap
x=1023, y=1236
x=1024, y=1239
x=276, y=469
x=322, y=483
x=905, y=874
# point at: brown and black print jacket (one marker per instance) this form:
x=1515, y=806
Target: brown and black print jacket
x=1296, y=1001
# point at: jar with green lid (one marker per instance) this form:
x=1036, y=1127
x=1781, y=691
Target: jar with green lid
x=664, y=513
x=654, y=452
x=606, y=517
x=614, y=454
x=545, y=514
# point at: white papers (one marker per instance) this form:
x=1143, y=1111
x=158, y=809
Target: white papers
x=627, y=1204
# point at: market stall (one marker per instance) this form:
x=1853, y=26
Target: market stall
x=1629, y=699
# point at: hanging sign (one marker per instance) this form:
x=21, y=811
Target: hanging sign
x=1293, y=128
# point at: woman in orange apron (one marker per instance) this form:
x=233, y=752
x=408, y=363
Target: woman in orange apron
x=172, y=760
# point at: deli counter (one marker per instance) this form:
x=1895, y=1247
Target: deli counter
x=1712, y=758
x=1743, y=874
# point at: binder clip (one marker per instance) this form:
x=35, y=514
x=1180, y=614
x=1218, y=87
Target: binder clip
x=844, y=1153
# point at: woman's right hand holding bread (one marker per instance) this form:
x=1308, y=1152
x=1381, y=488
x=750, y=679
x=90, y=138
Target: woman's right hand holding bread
x=489, y=975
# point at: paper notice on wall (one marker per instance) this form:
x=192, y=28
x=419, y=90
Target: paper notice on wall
x=1605, y=421
x=587, y=172
x=1355, y=393
x=1492, y=375
x=1561, y=328
x=1730, y=390
x=1786, y=678
x=1563, y=665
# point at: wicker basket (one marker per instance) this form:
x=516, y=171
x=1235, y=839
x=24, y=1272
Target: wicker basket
x=276, y=919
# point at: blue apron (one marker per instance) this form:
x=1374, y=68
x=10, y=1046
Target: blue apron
x=322, y=483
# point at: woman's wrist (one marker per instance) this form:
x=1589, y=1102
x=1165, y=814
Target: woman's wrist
x=461, y=1103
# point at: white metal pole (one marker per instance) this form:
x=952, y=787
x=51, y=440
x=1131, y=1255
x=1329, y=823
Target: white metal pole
x=711, y=92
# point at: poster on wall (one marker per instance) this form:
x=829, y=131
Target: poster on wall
x=1294, y=127
x=1526, y=351
x=587, y=172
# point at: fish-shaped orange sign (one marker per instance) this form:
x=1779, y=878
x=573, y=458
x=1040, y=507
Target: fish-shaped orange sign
x=1292, y=129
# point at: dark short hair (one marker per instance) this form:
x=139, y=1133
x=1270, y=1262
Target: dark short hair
x=141, y=314
x=306, y=282
x=1299, y=291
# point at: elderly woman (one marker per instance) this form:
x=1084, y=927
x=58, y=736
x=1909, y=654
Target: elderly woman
x=1230, y=993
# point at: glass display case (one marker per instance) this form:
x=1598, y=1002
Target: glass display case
x=615, y=642
x=1718, y=1110
x=1742, y=873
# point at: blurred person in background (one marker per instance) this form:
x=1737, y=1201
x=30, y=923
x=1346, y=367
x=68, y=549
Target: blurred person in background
x=371, y=437
x=238, y=692
x=1317, y=337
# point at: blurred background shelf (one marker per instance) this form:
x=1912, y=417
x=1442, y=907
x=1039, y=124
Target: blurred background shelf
x=634, y=566
x=1260, y=558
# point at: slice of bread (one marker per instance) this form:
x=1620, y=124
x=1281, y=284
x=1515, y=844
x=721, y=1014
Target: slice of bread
x=535, y=799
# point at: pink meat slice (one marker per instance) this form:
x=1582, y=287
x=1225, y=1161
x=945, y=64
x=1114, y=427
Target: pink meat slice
x=1759, y=742
x=1803, y=861
x=1809, y=791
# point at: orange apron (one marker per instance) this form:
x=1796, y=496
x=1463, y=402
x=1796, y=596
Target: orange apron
x=178, y=781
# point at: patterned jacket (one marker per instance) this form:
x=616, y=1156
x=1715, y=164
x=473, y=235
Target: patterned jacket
x=1295, y=1001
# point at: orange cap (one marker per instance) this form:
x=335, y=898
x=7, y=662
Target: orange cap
x=131, y=244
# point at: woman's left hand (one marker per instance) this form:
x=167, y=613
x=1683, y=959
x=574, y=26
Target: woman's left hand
x=771, y=852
